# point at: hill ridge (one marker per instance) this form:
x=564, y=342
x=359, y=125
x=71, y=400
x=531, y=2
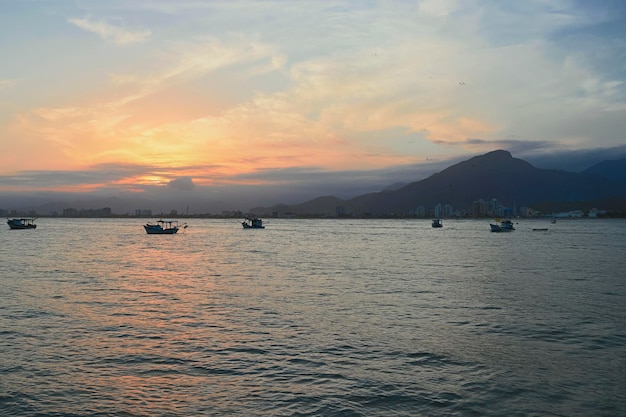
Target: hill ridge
x=493, y=175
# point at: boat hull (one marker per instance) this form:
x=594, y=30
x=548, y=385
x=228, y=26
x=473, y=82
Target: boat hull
x=160, y=231
x=499, y=229
x=16, y=227
x=247, y=226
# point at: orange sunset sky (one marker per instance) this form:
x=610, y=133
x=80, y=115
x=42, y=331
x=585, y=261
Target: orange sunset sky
x=218, y=97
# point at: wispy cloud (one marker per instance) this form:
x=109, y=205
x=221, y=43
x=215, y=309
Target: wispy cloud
x=6, y=83
x=187, y=61
x=240, y=88
x=109, y=32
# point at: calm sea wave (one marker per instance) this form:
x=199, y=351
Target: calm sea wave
x=313, y=317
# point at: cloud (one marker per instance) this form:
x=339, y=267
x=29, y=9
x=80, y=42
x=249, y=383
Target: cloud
x=110, y=32
x=299, y=182
x=515, y=146
x=438, y=8
x=182, y=183
x=574, y=160
x=98, y=176
x=194, y=59
x=242, y=191
x=248, y=87
x=6, y=83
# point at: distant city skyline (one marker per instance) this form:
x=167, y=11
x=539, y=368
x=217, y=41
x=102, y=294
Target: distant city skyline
x=234, y=104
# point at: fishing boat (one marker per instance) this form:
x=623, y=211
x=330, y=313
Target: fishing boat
x=22, y=223
x=437, y=223
x=163, y=227
x=252, y=223
x=504, y=226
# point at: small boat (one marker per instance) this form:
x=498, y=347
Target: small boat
x=163, y=227
x=22, y=223
x=437, y=223
x=504, y=226
x=252, y=223
x=553, y=221
x=540, y=229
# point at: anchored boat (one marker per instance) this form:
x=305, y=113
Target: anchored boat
x=252, y=223
x=22, y=223
x=504, y=226
x=163, y=227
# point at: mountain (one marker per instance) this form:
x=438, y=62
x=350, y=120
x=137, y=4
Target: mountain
x=395, y=186
x=327, y=204
x=495, y=175
x=614, y=170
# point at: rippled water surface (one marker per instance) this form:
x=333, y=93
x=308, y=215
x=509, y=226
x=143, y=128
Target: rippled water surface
x=314, y=317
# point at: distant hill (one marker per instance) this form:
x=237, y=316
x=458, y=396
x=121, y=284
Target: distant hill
x=613, y=170
x=395, y=186
x=327, y=204
x=497, y=174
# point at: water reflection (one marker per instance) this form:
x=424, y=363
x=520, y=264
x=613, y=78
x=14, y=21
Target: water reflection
x=308, y=315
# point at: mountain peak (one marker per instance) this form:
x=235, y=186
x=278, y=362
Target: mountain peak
x=499, y=154
x=494, y=162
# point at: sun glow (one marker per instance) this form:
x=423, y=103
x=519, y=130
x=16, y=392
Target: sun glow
x=139, y=101
x=149, y=180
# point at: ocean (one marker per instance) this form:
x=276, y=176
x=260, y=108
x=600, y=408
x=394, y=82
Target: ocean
x=313, y=318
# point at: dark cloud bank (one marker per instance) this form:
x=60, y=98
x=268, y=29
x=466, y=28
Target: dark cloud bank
x=288, y=186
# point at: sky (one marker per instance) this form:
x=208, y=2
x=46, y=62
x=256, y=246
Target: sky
x=246, y=103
